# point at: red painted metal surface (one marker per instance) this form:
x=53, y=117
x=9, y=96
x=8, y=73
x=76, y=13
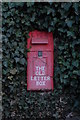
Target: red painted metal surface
x=40, y=61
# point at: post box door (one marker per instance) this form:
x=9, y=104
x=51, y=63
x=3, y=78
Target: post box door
x=40, y=69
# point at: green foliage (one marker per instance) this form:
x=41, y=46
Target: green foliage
x=18, y=20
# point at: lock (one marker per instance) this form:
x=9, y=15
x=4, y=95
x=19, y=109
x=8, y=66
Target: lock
x=40, y=61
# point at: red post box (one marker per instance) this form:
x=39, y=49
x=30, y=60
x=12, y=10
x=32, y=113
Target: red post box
x=40, y=61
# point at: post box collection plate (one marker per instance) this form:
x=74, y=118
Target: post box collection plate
x=40, y=61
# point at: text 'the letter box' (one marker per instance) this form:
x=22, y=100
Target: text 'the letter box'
x=40, y=61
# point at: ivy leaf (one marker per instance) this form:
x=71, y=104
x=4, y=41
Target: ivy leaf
x=22, y=61
x=29, y=4
x=75, y=5
x=65, y=76
x=11, y=5
x=13, y=71
x=33, y=18
x=77, y=72
x=69, y=23
x=5, y=72
x=17, y=59
x=66, y=6
x=70, y=33
x=50, y=29
x=61, y=48
x=10, y=77
x=74, y=54
x=75, y=63
x=5, y=63
x=61, y=30
x=76, y=104
x=49, y=11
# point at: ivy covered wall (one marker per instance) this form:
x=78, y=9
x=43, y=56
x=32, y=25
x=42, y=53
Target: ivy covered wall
x=18, y=19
